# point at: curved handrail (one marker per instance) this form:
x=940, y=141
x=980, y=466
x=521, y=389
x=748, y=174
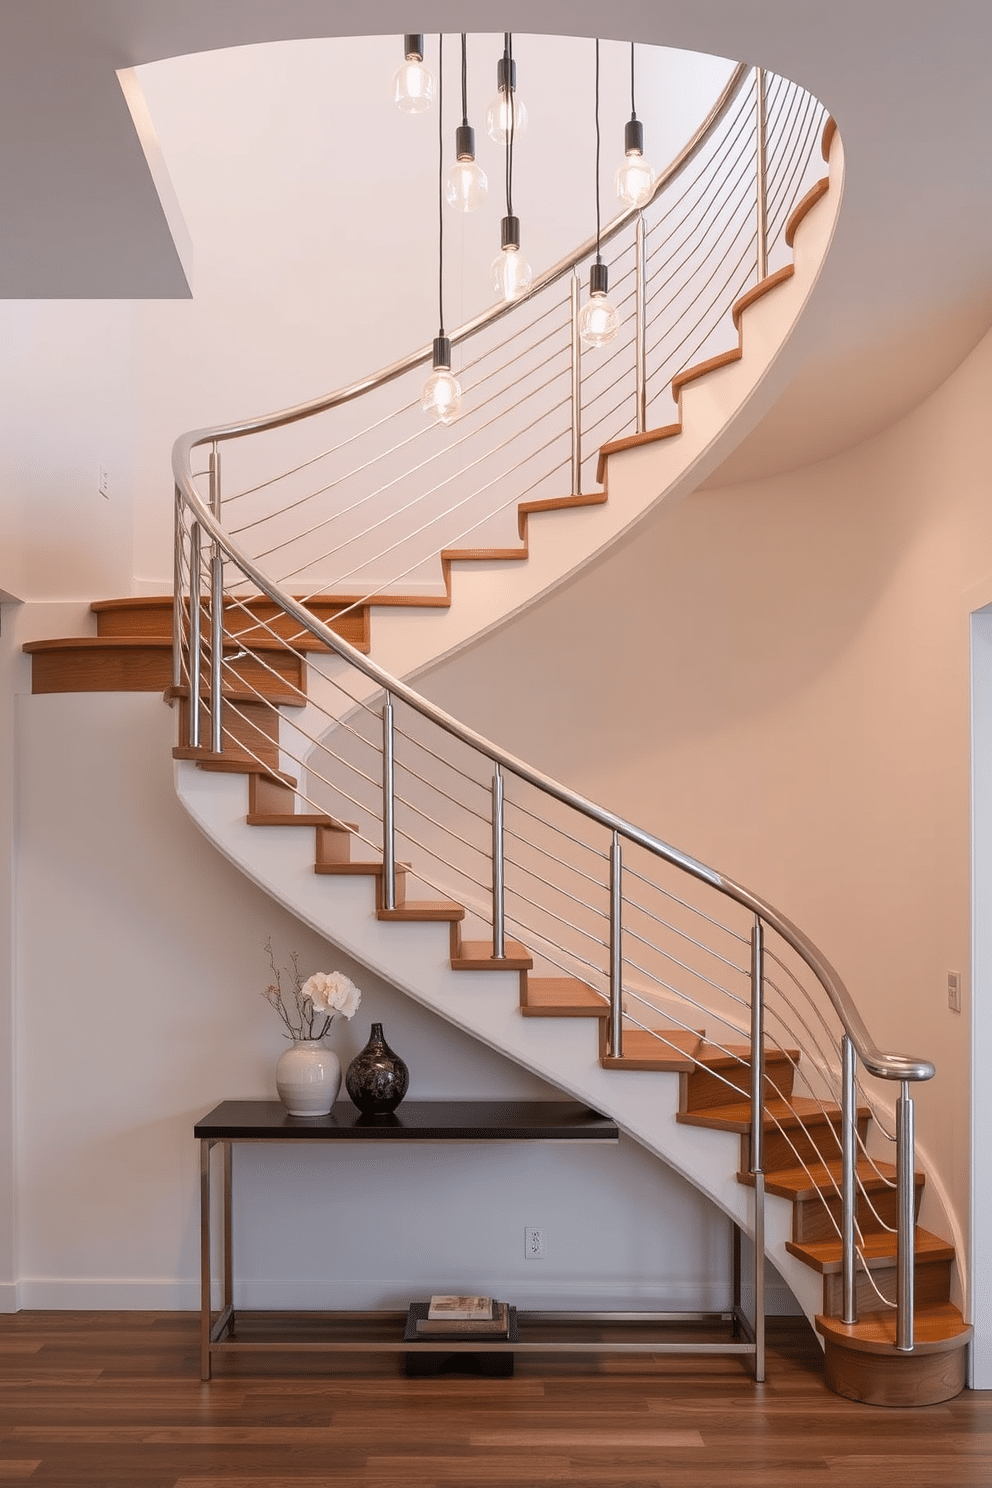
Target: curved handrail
x=188, y=442
x=657, y=274
x=886, y=1066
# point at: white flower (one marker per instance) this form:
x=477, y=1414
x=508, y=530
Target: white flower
x=332, y=993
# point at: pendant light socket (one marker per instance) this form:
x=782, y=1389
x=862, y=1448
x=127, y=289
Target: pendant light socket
x=506, y=75
x=509, y=232
x=464, y=142
x=413, y=46
x=633, y=137
x=599, y=279
x=442, y=354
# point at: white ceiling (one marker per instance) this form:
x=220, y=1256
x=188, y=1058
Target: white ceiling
x=907, y=289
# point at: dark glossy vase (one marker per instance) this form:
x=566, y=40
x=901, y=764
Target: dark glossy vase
x=377, y=1079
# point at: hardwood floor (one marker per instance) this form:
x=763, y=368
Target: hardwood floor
x=114, y=1399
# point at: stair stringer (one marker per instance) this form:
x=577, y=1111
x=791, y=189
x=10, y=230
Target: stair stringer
x=414, y=957
x=716, y=410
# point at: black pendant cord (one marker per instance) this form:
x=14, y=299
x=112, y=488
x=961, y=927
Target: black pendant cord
x=508, y=53
x=464, y=82
x=598, y=257
x=633, y=110
x=440, y=183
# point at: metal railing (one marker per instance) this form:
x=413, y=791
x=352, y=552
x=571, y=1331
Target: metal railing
x=655, y=933
x=357, y=494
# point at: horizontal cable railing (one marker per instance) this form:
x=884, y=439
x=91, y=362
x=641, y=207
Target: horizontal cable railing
x=357, y=495
x=682, y=958
x=673, y=949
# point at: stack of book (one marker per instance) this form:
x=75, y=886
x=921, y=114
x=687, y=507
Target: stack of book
x=464, y=1317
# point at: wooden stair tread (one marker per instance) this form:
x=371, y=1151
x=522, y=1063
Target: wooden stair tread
x=292, y=698
x=99, y=643
x=669, y=1051
x=802, y=208
x=363, y=865
x=633, y=441
x=233, y=644
x=232, y=764
x=482, y=555
x=151, y=617
x=877, y=1247
x=779, y=1115
x=299, y=819
x=477, y=955
x=424, y=909
x=758, y=291
x=562, y=997
x=701, y=369
x=732, y=1056
x=817, y=1178
x=937, y=1328
x=253, y=603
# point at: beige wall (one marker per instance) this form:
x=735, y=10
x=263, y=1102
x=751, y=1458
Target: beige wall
x=775, y=678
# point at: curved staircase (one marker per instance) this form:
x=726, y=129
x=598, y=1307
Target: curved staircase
x=304, y=761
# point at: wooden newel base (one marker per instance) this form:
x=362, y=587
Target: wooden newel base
x=895, y=1379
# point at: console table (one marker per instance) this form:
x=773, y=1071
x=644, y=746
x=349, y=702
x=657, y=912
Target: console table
x=415, y=1121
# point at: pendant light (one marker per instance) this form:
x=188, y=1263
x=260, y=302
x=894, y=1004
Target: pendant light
x=634, y=179
x=506, y=112
x=510, y=271
x=598, y=319
x=413, y=85
x=442, y=397
x=466, y=184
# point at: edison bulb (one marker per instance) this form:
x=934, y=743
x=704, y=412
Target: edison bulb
x=498, y=117
x=599, y=321
x=511, y=274
x=465, y=186
x=413, y=87
x=442, y=398
x=634, y=180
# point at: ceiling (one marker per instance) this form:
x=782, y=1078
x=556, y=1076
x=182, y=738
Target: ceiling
x=907, y=288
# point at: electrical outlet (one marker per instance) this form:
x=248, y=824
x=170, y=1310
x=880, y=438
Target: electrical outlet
x=103, y=482
x=534, y=1244
x=954, y=991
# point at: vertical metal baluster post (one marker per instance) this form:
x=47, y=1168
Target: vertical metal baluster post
x=641, y=371
x=195, y=635
x=906, y=1198
x=216, y=615
x=761, y=171
x=849, y=1141
x=499, y=927
x=177, y=594
x=388, y=808
x=616, y=948
x=576, y=391
x=757, y=1137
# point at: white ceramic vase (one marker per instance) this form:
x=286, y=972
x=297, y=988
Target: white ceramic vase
x=308, y=1078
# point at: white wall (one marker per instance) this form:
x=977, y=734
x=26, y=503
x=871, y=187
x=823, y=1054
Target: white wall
x=67, y=407
x=140, y=967
x=789, y=699
x=981, y=1013
x=312, y=205
x=775, y=677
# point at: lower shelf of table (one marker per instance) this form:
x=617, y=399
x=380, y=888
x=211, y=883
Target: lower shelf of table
x=540, y=1332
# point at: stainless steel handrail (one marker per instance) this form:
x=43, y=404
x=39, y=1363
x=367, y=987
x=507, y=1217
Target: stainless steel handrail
x=886, y=1066
x=202, y=654
x=188, y=442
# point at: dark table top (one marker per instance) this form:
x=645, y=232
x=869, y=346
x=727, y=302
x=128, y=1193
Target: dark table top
x=413, y=1121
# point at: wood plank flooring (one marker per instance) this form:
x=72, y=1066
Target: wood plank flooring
x=114, y=1399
